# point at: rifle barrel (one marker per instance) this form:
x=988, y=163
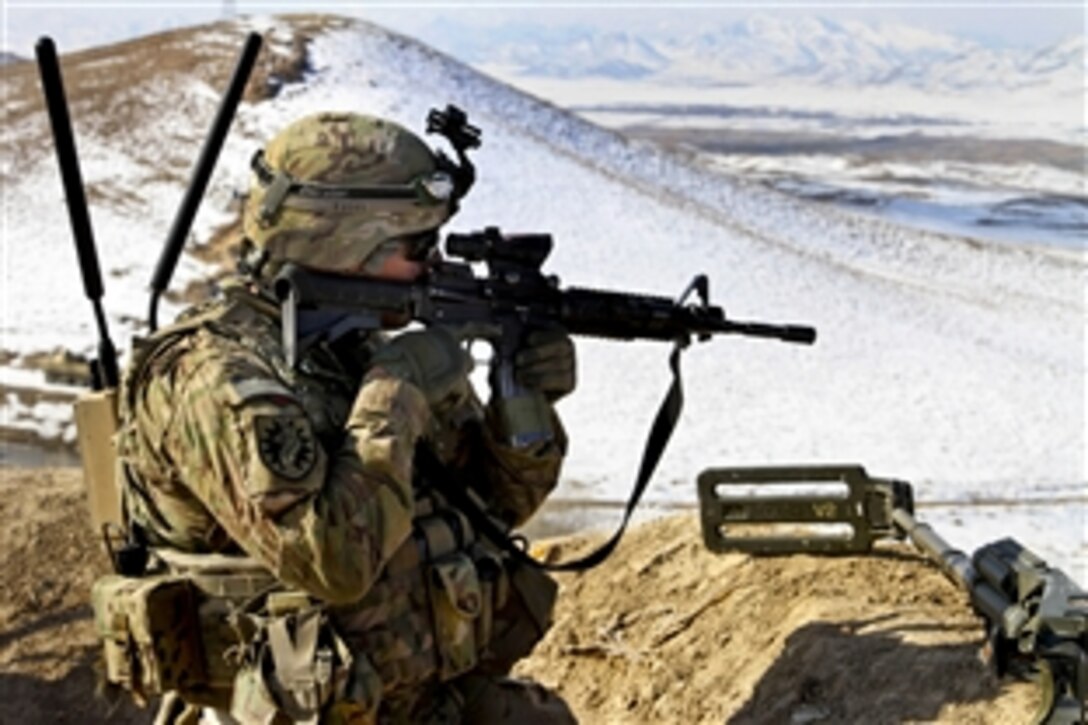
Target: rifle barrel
x=801, y=334
x=957, y=566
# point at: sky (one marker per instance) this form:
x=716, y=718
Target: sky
x=76, y=25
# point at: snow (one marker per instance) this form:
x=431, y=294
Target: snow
x=1029, y=112
x=952, y=363
x=1021, y=203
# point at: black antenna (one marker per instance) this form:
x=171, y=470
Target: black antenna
x=104, y=369
x=202, y=172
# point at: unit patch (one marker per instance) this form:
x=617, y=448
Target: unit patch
x=286, y=444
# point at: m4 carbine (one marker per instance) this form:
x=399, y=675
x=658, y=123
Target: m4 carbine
x=502, y=306
x=511, y=299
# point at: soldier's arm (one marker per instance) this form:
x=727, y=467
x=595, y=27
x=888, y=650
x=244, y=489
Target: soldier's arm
x=519, y=479
x=514, y=482
x=325, y=521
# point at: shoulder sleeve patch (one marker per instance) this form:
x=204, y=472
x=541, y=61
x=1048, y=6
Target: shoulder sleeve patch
x=286, y=444
x=250, y=388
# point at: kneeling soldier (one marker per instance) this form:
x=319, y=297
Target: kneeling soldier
x=325, y=575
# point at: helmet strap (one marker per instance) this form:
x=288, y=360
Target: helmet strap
x=251, y=259
x=274, y=195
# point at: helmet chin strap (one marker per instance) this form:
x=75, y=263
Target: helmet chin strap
x=301, y=328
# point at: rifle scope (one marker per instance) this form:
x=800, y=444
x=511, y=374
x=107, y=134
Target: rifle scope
x=528, y=250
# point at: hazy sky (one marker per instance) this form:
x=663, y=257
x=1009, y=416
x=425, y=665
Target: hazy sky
x=76, y=25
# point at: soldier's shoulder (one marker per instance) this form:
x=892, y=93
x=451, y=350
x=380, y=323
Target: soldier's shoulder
x=213, y=344
x=238, y=322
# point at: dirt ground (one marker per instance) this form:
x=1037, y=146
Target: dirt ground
x=664, y=632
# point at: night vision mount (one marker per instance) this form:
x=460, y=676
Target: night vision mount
x=453, y=125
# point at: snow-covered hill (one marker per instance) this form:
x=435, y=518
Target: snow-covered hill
x=953, y=363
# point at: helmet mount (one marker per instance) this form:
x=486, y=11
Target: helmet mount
x=453, y=125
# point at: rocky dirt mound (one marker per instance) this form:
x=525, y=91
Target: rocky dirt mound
x=663, y=632
x=666, y=631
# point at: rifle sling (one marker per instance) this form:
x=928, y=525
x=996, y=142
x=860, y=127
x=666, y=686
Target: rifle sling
x=664, y=423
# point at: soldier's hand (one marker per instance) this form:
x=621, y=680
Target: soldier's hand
x=546, y=363
x=433, y=360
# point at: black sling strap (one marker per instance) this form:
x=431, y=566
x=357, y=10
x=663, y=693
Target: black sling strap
x=664, y=423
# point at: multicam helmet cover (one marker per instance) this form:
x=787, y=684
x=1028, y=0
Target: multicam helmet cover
x=330, y=188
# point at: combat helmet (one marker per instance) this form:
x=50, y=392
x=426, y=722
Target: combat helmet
x=331, y=188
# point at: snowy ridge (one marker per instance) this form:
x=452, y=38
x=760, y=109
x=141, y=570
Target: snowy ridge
x=955, y=364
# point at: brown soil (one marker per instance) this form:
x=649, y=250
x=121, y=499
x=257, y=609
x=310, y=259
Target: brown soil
x=48, y=652
x=666, y=631
x=663, y=632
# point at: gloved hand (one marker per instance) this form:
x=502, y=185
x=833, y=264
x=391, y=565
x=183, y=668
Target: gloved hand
x=546, y=363
x=433, y=360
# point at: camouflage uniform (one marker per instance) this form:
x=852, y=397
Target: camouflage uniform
x=310, y=470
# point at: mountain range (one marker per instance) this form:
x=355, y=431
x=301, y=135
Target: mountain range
x=813, y=50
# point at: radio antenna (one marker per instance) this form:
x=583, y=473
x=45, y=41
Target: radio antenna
x=104, y=369
x=202, y=172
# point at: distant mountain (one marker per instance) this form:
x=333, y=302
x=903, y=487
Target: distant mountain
x=571, y=52
x=8, y=57
x=762, y=47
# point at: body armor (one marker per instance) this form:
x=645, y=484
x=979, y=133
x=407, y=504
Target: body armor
x=445, y=603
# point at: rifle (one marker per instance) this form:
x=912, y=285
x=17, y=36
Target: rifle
x=1036, y=616
x=513, y=297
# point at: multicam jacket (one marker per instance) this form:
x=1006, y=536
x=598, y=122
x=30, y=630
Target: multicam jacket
x=310, y=470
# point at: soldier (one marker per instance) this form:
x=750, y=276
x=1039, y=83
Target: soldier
x=376, y=599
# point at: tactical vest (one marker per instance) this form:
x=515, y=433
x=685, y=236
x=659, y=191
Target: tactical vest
x=223, y=632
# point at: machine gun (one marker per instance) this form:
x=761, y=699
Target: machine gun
x=513, y=297
x=1036, y=616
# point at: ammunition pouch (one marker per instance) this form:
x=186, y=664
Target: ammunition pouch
x=295, y=667
x=459, y=611
x=523, y=615
x=150, y=634
x=222, y=633
x=489, y=609
x=457, y=606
